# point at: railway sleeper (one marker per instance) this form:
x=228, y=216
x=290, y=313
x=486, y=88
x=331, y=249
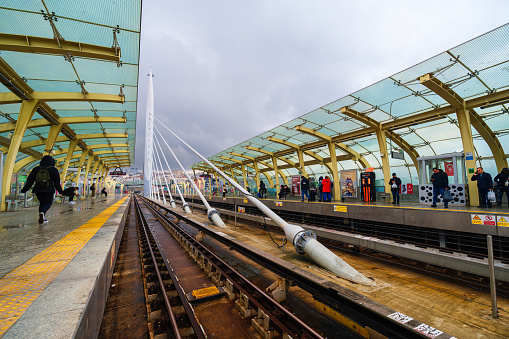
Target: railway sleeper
x=232, y=292
x=243, y=305
x=262, y=324
x=277, y=290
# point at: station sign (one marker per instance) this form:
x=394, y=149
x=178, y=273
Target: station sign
x=340, y=208
x=241, y=209
x=482, y=219
x=503, y=220
x=117, y=172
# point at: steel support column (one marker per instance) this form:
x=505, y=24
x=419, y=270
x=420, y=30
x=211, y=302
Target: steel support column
x=70, y=151
x=468, y=147
x=28, y=108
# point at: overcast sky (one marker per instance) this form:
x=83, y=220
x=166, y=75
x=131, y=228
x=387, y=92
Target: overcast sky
x=226, y=71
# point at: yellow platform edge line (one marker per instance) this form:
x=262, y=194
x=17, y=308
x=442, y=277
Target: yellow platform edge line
x=13, y=303
x=342, y=319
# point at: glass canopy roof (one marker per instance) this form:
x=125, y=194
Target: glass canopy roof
x=110, y=25
x=477, y=69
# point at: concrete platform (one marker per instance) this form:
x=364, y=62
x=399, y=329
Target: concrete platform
x=457, y=218
x=54, y=277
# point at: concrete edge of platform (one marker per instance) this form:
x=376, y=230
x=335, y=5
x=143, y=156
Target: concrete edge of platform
x=455, y=261
x=72, y=305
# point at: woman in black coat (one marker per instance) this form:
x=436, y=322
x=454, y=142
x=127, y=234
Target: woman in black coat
x=46, y=183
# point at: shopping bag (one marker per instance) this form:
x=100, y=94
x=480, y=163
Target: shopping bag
x=491, y=196
x=447, y=196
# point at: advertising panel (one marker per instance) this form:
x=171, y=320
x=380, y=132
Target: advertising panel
x=296, y=184
x=348, y=180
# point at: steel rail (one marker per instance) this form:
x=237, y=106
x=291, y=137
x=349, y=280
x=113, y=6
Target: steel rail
x=282, y=319
x=198, y=330
x=342, y=300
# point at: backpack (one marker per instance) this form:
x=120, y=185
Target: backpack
x=42, y=179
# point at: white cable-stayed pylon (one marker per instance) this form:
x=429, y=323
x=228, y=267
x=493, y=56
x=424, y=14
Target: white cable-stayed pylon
x=185, y=206
x=304, y=241
x=159, y=170
x=149, y=131
x=172, y=202
x=212, y=213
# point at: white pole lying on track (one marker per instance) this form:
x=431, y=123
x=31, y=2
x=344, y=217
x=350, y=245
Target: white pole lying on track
x=211, y=212
x=172, y=202
x=304, y=241
x=185, y=206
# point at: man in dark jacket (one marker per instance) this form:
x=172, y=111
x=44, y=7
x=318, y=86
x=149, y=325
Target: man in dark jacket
x=502, y=180
x=395, y=184
x=484, y=185
x=71, y=192
x=440, y=182
x=263, y=190
x=304, y=187
x=46, y=179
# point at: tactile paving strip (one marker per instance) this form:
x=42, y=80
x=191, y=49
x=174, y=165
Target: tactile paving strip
x=19, y=288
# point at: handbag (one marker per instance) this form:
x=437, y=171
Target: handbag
x=491, y=196
x=447, y=196
x=394, y=185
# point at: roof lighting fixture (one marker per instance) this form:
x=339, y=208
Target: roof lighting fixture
x=496, y=103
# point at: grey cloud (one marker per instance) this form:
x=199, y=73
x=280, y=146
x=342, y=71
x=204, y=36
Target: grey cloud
x=226, y=71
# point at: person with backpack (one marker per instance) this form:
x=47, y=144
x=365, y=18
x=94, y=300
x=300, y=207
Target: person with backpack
x=46, y=180
x=92, y=190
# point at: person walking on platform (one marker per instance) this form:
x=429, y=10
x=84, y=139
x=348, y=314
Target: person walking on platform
x=502, y=180
x=71, y=192
x=225, y=190
x=484, y=185
x=46, y=180
x=326, y=189
x=304, y=187
x=92, y=190
x=395, y=184
x=440, y=182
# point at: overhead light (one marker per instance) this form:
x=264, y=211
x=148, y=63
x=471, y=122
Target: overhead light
x=496, y=103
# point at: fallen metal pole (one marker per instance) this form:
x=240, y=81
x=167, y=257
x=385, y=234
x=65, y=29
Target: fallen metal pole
x=304, y=241
x=212, y=213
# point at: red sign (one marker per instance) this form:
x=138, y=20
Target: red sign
x=409, y=188
x=449, y=168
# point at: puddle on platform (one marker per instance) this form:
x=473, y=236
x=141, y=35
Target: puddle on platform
x=8, y=227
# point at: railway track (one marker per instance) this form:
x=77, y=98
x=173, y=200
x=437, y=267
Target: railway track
x=328, y=295
x=180, y=274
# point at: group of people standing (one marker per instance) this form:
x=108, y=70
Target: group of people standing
x=440, y=181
